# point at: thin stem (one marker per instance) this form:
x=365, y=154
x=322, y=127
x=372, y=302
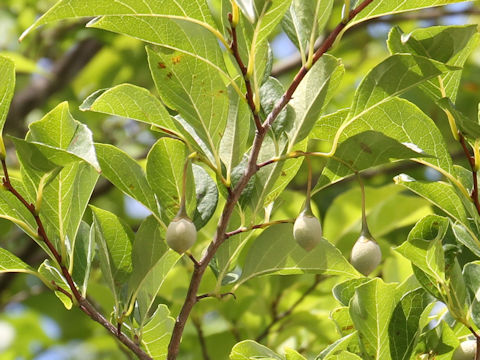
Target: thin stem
x=194, y=261
x=309, y=184
x=278, y=317
x=77, y=298
x=365, y=230
x=249, y=96
x=471, y=161
x=233, y=197
x=219, y=296
x=257, y=226
x=183, y=210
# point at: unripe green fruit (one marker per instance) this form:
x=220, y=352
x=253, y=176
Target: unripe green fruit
x=181, y=234
x=366, y=255
x=465, y=351
x=307, y=231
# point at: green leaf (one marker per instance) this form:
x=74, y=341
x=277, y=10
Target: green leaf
x=235, y=138
x=312, y=96
x=424, y=246
x=344, y=355
x=183, y=25
x=132, y=102
x=207, y=197
x=302, y=18
x=438, y=193
x=387, y=7
x=448, y=44
x=13, y=210
x=54, y=278
x=404, y=328
x=249, y=350
x=61, y=193
x=156, y=333
x=165, y=163
x=270, y=181
x=127, y=175
x=371, y=309
x=270, y=13
x=114, y=240
x=7, y=87
x=200, y=97
x=343, y=321
x=58, y=130
x=471, y=274
x=151, y=260
x=270, y=93
x=406, y=123
x=381, y=202
x=465, y=237
x=344, y=291
x=275, y=251
x=327, y=126
x=337, y=347
x=84, y=254
x=248, y=9
x=23, y=64
x=11, y=263
x=291, y=354
x=468, y=127
x=365, y=150
x=383, y=82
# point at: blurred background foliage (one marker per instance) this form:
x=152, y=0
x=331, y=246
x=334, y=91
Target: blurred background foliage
x=67, y=61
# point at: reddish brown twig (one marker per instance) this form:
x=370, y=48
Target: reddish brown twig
x=82, y=302
x=249, y=96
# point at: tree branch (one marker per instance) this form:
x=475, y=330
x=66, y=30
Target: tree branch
x=83, y=303
x=236, y=54
x=232, y=199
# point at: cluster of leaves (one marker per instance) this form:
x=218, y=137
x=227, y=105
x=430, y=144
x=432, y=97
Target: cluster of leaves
x=202, y=114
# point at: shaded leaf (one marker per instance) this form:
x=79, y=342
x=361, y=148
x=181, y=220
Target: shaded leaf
x=371, y=309
x=276, y=251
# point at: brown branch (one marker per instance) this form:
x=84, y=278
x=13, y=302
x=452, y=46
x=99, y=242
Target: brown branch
x=83, y=303
x=232, y=199
x=41, y=88
x=278, y=317
x=236, y=54
x=201, y=337
x=471, y=161
x=295, y=61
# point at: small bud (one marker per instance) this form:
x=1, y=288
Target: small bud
x=307, y=230
x=366, y=255
x=465, y=351
x=181, y=234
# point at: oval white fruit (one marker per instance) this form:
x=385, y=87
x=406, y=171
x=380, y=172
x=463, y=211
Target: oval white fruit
x=307, y=231
x=181, y=234
x=465, y=351
x=366, y=255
